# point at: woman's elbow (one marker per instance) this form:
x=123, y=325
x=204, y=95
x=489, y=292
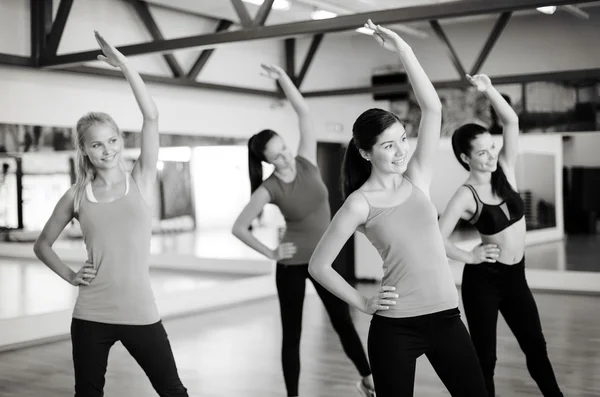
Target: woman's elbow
x=315, y=270
x=38, y=247
x=312, y=269
x=239, y=229
x=512, y=120
x=151, y=117
x=235, y=230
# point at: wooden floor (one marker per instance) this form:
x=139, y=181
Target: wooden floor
x=235, y=352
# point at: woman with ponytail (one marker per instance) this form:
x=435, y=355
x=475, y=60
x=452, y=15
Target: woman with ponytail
x=115, y=300
x=416, y=310
x=494, y=274
x=297, y=189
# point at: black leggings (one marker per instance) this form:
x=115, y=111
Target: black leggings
x=491, y=287
x=396, y=343
x=291, y=284
x=148, y=344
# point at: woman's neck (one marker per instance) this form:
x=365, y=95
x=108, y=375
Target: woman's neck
x=480, y=178
x=385, y=181
x=286, y=174
x=109, y=177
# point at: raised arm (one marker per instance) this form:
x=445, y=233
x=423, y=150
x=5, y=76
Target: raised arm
x=144, y=170
x=461, y=206
x=508, y=117
x=345, y=222
x=308, y=137
x=60, y=218
x=241, y=227
x=420, y=168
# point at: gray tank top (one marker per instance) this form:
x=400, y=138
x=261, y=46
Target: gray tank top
x=117, y=238
x=409, y=241
x=304, y=203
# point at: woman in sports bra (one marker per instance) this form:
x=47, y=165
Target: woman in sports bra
x=115, y=302
x=297, y=189
x=494, y=274
x=387, y=198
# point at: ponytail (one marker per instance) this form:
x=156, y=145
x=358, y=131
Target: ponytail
x=500, y=185
x=256, y=147
x=254, y=168
x=355, y=170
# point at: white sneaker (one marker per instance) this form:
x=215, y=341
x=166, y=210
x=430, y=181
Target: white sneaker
x=364, y=390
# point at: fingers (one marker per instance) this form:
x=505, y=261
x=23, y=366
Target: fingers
x=388, y=295
x=370, y=25
x=378, y=38
x=387, y=288
x=82, y=281
x=287, y=250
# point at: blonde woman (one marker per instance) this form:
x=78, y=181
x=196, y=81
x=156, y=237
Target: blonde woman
x=115, y=300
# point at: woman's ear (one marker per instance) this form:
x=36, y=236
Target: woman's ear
x=364, y=154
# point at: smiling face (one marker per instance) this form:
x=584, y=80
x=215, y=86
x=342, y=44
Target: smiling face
x=103, y=146
x=277, y=153
x=390, y=152
x=484, y=155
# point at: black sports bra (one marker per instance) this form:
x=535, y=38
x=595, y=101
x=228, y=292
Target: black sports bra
x=490, y=219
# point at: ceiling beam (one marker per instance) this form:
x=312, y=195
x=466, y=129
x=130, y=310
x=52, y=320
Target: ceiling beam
x=314, y=46
x=205, y=54
x=105, y=72
x=143, y=11
x=40, y=27
x=491, y=41
x=263, y=13
x=242, y=13
x=290, y=58
x=437, y=29
x=563, y=76
x=340, y=23
x=58, y=27
x=15, y=60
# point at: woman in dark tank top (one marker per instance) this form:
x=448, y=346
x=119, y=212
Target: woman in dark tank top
x=494, y=274
x=297, y=189
x=416, y=310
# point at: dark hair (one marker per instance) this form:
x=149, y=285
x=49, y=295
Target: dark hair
x=256, y=148
x=367, y=127
x=461, y=143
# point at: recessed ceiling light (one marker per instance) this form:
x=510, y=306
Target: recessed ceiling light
x=277, y=4
x=547, y=10
x=322, y=14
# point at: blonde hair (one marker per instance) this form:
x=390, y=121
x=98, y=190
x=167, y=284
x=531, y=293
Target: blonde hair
x=84, y=169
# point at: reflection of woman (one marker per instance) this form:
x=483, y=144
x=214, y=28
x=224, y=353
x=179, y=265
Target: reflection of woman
x=494, y=274
x=416, y=311
x=297, y=189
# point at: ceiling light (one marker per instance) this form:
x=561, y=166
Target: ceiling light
x=277, y=4
x=322, y=14
x=547, y=10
